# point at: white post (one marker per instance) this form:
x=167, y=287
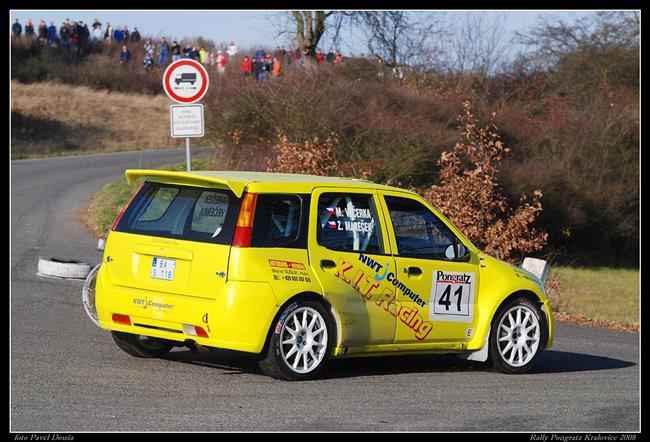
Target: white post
x=187, y=154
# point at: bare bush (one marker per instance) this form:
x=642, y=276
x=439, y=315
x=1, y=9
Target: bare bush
x=469, y=194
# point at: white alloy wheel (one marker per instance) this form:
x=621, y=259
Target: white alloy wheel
x=303, y=340
x=518, y=336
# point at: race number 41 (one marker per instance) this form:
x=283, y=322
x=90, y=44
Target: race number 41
x=452, y=296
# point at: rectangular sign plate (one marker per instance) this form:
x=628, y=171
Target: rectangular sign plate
x=162, y=268
x=186, y=121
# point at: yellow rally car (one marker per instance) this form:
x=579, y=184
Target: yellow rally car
x=302, y=268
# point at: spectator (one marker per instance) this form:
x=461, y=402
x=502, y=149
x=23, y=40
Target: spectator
x=17, y=29
x=98, y=32
x=268, y=66
x=125, y=55
x=187, y=52
x=330, y=56
x=64, y=34
x=203, y=56
x=108, y=35
x=194, y=53
x=176, y=51
x=148, y=62
x=320, y=58
x=259, y=53
x=232, y=50
x=164, y=49
x=246, y=66
x=51, y=34
x=135, y=35
x=125, y=34
x=74, y=36
x=42, y=33
x=149, y=48
x=259, y=70
x=29, y=28
x=338, y=59
x=277, y=67
x=118, y=35
x=221, y=62
x=84, y=34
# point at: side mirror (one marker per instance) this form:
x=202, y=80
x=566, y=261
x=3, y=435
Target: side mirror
x=457, y=252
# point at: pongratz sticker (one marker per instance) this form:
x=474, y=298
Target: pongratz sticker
x=452, y=296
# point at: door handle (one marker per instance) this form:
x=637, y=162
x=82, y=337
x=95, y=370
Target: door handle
x=415, y=271
x=327, y=264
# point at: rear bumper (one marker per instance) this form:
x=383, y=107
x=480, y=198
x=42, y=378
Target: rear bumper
x=237, y=319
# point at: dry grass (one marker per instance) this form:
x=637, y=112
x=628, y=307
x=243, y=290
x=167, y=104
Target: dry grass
x=54, y=118
x=596, y=294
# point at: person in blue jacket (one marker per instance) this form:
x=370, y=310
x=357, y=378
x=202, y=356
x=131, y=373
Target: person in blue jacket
x=118, y=35
x=164, y=48
x=51, y=34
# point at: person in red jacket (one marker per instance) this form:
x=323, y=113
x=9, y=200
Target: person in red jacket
x=246, y=67
x=320, y=58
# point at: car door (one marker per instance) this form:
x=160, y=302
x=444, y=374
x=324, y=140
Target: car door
x=348, y=247
x=437, y=278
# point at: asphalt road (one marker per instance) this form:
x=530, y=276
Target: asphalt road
x=68, y=375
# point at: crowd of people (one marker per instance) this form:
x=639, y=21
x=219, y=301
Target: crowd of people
x=76, y=35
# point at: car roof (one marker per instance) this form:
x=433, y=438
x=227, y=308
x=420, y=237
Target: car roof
x=238, y=181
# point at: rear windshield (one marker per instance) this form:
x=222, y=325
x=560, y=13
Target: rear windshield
x=182, y=212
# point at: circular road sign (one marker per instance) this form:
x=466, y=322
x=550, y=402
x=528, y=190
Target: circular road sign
x=185, y=81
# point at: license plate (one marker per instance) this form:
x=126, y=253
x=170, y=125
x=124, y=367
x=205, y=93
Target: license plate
x=162, y=268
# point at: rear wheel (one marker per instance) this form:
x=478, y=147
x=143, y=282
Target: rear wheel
x=142, y=346
x=299, y=343
x=517, y=337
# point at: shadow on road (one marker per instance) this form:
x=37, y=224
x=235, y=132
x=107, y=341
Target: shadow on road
x=551, y=361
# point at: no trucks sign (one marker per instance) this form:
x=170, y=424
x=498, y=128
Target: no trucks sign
x=185, y=81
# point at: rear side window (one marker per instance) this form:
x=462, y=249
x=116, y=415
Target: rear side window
x=182, y=212
x=279, y=221
x=348, y=222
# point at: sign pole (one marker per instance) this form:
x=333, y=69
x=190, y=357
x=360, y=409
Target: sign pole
x=188, y=156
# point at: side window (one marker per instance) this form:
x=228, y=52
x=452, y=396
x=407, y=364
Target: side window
x=348, y=222
x=277, y=221
x=418, y=232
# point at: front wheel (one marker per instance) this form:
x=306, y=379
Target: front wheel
x=518, y=336
x=299, y=343
x=142, y=346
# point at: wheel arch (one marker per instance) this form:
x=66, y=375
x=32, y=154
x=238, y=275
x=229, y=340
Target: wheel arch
x=307, y=296
x=531, y=296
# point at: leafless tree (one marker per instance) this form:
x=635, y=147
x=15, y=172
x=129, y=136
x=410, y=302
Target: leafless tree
x=475, y=44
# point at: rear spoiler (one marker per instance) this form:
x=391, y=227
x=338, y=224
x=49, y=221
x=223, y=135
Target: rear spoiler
x=237, y=186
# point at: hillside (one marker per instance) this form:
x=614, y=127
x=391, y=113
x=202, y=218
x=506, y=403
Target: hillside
x=55, y=118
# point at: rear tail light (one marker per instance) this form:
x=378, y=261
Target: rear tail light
x=121, y=319
x=244, y=229
x=119, y=217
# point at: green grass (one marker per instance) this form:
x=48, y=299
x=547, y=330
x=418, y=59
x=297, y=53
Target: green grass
x=105, y=205
x=599, y=293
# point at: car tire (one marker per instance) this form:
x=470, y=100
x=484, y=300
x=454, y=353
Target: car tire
x=518, y=335
x=88, y=295
x=142, y=346
x=300, y=342
x=63, y=268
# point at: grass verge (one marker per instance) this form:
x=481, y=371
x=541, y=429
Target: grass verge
x=601, y=296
